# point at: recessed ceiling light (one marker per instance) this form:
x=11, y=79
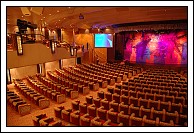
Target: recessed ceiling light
x=49, y=14
x=57, y=10
x=43, y=17
x=59, y=20
x=69, y=7
x=64, y=18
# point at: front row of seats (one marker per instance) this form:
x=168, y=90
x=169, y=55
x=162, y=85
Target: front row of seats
x=44, y=120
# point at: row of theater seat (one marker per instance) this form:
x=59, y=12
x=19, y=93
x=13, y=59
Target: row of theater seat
x=131, y=70
x=159, y=78
x=104, y=71
x=82, y=81
x=78, y=84
x=32, y=94
x=155, y=73
x=81, y=117
x=161, y=90
x=89, y=114
x=117, y=75
x=92, y=77
x=79, y=79
x=144, y=67
x=147, y=102
x=153, y=83
x=19, y=104
x=44, y=120
x=164, y=72
x=72, y=83
x=61, y=89
x=46, y=91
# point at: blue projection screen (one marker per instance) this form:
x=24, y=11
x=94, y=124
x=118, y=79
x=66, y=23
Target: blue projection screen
x=103, y=40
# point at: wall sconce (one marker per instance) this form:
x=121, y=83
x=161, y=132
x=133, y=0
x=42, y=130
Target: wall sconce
x=39, y=68
x=8, y=76
x=19, y=45
x=75, y=51
x=71, y=51
x=52, y=46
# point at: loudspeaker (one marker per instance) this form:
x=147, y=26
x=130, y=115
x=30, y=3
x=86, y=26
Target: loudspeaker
x=79, y=60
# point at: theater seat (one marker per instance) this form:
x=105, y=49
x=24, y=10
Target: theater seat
x=123, y=118
x=91, y=110
x=74, y=94
x=83, y=108
x=148, y=112
x=24, y=109
x=165, y=124
x=44, y=103
x=102, y=113
x=96, y=101
x=37, y=118
x=96, y=122
x=116, y=97
x=150, y=123
x=172, y=116
x=124, y=107
x=85, y=120
x=135, y=121
x=75, y=117
x=46, y=121
x=125, y=99
x=75, y=104
x=109, y=123
x=89, y=99
x=112, y=115
x=100, y=94
x=57, y=111
x=65, y=114
x=55, y=123
x=61, y=98
x=183, y=120
x=114, y=105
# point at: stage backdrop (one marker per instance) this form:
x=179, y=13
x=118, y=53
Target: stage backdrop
x=157, y=47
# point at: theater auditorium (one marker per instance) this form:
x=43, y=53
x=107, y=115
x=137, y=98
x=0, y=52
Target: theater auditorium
x=97, y=66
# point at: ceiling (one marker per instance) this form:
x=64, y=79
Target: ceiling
x=94, y=17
